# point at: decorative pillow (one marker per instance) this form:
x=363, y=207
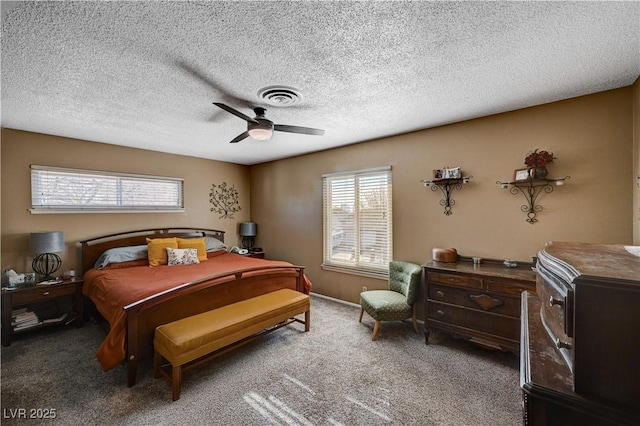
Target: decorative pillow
x=188, y=256
x=197, y=243
x=121, y=254
x=157, y=250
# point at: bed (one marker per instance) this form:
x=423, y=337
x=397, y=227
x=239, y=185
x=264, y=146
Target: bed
x=135, y=297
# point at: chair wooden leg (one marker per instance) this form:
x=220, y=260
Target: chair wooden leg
x=307, y=320
x=361, y=312
x=376, y=328
x=413, y=318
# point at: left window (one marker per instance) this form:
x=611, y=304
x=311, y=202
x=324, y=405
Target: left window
x=62, y=190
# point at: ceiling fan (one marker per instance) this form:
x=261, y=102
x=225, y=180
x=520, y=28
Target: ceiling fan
x=261, y=128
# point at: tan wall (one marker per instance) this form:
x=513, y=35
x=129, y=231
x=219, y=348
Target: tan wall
x=21, y=149
x=636, y=162
x=591, y=136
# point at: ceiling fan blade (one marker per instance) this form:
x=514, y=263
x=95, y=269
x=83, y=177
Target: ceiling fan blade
x=297, y=129
x=235, y=112
x=240, y=137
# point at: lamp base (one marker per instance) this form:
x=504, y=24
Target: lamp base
x=247, y=242
x=46, y=264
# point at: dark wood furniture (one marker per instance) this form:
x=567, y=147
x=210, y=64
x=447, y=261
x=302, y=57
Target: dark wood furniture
x=256, y=255
x=478, y=302
x=32, y=296
x=189, y=299
x=580, y=346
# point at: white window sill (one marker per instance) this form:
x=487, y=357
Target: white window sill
x=84, y=211
x=382, y=275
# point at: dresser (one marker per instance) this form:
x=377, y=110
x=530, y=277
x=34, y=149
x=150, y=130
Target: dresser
x=580, y=351
x=478, y=302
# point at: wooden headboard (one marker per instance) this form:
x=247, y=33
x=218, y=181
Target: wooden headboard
x=93, y=248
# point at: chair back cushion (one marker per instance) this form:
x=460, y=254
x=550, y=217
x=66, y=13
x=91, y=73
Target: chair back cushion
x=404, y=277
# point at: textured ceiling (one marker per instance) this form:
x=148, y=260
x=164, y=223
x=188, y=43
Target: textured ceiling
x=145, y=74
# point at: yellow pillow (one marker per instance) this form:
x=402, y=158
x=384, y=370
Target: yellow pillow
x=196, y=243
x=157, y=249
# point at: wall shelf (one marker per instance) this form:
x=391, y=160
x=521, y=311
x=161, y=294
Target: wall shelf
x=447, y=186
x=531, y=190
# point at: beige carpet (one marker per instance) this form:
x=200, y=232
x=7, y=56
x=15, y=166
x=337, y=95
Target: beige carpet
x=333, y=375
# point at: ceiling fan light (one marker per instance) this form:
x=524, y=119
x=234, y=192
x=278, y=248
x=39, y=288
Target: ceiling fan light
x=260, y=134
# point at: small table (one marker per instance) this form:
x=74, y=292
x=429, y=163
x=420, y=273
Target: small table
x=27, y=296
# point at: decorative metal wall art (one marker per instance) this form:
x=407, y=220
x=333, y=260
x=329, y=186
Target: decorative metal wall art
x=531, y=190
x=446, y=180
x=532, y=181
x=225, y=200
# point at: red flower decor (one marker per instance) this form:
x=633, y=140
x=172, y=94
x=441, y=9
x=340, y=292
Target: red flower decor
x=539, y=159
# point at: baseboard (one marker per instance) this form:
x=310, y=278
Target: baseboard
x=344, y=302
x=333, y=299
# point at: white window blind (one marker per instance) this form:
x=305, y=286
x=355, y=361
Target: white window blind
x=358, y=222
x=61, y=190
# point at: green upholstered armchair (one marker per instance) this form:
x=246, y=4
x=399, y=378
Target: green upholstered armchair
x=397, y=302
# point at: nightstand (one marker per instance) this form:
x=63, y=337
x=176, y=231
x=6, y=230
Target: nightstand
x=28, y=296
x=257, y=255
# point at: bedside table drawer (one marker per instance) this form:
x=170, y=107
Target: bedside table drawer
x=41, y=293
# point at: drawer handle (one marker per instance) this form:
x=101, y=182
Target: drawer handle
x=440, y=293
x=560, y=344
x=439, y=312
x=553, y=301
x=46, y=293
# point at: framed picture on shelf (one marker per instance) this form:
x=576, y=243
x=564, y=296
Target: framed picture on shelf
x=520, y=175
x=453, y=173
x=438, y=174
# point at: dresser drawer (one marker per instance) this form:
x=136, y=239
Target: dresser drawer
x=495, y=324
x=510, y=287
x=476, y=300
x=455, y=280
x=41, y=293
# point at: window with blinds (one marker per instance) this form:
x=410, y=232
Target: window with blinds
x=60, y=190
x=357, y=222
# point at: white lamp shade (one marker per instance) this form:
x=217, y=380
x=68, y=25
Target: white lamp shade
x=46, y=242
x=260, y=134
x=248, y=229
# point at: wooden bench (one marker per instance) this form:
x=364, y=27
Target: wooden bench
x=193, y=340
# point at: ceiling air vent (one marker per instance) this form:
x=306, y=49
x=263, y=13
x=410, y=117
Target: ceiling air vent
x=281, y=96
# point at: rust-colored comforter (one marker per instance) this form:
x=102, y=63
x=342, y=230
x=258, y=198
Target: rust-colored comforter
x=111, y=289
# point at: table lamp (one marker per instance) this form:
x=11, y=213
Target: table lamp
x=45, y=244
x=248, y=232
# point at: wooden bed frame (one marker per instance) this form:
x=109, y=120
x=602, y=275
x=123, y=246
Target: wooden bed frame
x=188, y=299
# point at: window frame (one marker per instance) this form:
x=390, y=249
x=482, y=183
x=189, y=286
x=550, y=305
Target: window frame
x=39, y=206
x=356, y=267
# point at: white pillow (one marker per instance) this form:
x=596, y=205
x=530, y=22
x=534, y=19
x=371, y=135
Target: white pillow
x=188, y=256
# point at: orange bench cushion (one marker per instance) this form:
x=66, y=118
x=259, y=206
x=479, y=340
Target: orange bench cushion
x=190, y=338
